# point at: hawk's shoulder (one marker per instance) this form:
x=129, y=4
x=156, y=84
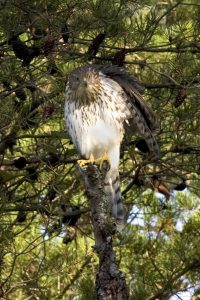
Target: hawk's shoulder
x=133, y=89
x=120, y=75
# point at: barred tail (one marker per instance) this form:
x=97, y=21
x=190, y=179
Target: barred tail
x=112, y=189
x=141, y=126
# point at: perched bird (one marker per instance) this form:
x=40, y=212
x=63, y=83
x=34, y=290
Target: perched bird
x=102, y=104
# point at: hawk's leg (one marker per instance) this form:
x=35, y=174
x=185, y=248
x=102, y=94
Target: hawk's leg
x=91, y=160
x=100, y=160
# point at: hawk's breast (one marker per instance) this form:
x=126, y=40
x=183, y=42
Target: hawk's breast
x=91, y=129
x=98, y=126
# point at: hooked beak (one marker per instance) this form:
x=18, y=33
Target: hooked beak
x=83, y=86
x=84, y=82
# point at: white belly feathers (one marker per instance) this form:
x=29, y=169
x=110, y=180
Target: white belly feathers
x=99, y=138
x=95, y=136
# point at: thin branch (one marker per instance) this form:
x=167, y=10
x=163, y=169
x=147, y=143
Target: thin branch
x=75, y=277
x=167, y=287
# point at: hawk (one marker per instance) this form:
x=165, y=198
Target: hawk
x=102, y=104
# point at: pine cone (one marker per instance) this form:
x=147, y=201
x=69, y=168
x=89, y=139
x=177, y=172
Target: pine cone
x=119, y=58
x=180, y=97
x=20, y=94
x=65, y=33
x=49, y=45
x=94, y=46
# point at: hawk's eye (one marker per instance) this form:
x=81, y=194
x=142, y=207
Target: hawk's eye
x=76, y=79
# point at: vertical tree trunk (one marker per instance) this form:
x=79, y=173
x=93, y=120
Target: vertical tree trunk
x=110, y=281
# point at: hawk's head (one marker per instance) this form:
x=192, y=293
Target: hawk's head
x=85, y=83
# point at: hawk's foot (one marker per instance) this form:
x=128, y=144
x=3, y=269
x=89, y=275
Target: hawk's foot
x=91, y=160
x=83, y=162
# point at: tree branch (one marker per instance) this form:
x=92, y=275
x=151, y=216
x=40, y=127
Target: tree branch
x=110, y=281
x=75, y=277
x=167, y=290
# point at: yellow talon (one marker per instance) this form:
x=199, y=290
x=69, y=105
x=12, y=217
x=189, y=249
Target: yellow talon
x=83, y=162
x=91, y=160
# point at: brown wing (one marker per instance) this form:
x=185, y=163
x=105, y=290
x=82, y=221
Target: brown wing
x=133, y=89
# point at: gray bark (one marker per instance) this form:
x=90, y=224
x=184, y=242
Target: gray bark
x=110, y=281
